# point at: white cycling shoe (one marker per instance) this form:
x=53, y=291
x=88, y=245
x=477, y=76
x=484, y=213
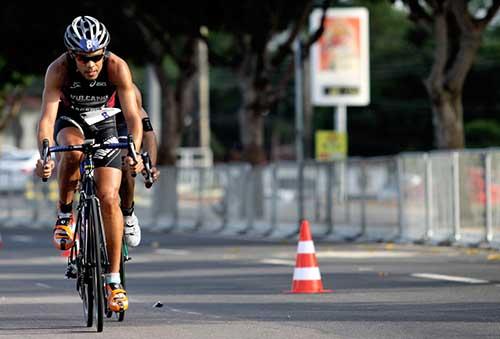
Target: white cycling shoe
x=132, y=230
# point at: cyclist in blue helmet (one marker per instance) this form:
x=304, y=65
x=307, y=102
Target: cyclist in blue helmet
x=87, y=78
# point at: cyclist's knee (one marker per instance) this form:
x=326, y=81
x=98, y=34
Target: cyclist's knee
x=71, y=158
x=110, y=199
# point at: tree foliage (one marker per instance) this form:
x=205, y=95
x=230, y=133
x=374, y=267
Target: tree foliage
x=258, y=41
x=457, y=28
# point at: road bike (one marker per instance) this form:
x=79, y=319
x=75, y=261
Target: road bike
x=88, y=259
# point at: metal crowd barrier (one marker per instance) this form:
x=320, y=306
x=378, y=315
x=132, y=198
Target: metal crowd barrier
x=436, y=197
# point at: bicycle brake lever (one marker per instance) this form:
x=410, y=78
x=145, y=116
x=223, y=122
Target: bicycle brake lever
x=45, y=154
x=147, y=166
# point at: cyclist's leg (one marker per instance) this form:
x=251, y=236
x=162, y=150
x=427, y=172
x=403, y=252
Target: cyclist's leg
x=68, y=175
x=68, y=165
x=127, y=191
x=108, y=181
x=127, y=187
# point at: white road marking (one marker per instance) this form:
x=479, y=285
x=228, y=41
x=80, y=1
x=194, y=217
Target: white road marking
x=449, y=278
x=365, y=269
x=278, y=262
x=42, y=285
x=182, y=311
x=55, y=259
x=365, y=254
x=170, y=251
x=176, y=310
x=22, y=238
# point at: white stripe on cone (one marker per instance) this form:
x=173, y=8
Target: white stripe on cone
x=306, y=273
x=305, y=247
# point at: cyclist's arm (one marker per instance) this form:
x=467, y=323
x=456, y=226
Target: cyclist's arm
x=120, y=75
x=50, y=102
x=149, y=143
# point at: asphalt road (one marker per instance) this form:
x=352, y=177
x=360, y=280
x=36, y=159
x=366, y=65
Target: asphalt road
x=211, y=287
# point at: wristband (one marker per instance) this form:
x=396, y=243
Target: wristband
x=146, y=125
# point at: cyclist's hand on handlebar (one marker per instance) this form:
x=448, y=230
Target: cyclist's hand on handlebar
x=44, y=171
x=134, y=167
x=155, y=174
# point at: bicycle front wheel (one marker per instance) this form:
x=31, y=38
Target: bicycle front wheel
x=84, y=281
x=97, y=239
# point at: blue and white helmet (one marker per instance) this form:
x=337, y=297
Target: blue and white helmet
x=86, y=34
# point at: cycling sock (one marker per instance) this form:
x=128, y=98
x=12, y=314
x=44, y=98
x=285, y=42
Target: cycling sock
x=113, y=278
x=66, y=208
x=127, y=212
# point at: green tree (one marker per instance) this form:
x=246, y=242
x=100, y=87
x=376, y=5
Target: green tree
x=255, y=53
x=482, y=133
x=457, y=28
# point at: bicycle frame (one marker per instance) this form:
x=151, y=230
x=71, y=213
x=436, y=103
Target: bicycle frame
x=87, y=195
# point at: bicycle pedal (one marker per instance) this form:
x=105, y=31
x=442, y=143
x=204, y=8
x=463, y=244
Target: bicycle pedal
x=127, y=258
x=71, y=271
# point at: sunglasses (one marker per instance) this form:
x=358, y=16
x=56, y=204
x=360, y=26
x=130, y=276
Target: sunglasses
x=85, y=58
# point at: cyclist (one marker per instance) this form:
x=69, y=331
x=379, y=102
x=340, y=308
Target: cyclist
x=127, y=188
x=132, y=229
x=88, y=77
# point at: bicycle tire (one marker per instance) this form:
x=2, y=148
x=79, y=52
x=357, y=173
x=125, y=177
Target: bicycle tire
x=95, y=218
x=124, y=254
x=84, y=278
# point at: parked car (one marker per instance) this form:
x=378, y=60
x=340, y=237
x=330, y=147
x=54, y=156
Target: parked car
x=16, y=168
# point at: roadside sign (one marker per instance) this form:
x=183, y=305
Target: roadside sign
x=340, y=58
x=330, y=145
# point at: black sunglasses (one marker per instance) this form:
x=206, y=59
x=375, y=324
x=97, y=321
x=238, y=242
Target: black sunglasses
x=85, y=58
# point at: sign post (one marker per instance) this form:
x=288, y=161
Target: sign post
x=340, y=61
x=340, y=76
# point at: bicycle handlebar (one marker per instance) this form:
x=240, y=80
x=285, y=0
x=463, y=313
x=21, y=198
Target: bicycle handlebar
x=83, y=147
x=131, y=151
x=88, y=145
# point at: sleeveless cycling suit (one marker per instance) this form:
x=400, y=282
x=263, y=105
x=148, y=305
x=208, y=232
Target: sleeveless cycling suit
x=81, y=95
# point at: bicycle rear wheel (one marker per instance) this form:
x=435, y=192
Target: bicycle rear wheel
x=87, y=290
x=98, y=286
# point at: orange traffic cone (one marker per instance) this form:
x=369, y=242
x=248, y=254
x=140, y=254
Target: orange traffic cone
x=306, y=275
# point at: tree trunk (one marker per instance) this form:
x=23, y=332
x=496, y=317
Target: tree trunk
x=457, y=39
x=166, y=149
x=448, y=120
x=12, y=107
x=251, y=120
x=177, y=100
x=253, y=142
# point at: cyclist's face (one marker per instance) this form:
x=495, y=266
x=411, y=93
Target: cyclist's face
x=89, y=64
